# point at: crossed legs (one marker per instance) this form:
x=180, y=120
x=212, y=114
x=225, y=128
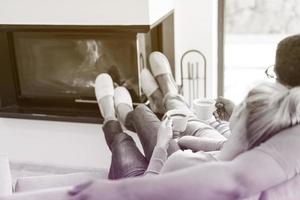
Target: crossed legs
x=127, y=160
x=161, y=78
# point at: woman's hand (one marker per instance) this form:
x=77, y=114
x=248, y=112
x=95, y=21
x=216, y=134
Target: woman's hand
x=165, y=133
x=224, y=108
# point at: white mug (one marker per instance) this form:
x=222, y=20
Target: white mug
x=204, y=108
x=179, y=118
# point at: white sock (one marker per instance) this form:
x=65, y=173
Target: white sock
x=123, y=109
x=107, y=109
x=166, y=84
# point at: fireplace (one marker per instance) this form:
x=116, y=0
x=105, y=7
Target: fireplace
x=48, y=71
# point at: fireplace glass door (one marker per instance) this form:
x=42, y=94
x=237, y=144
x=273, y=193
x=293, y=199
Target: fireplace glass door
x=59, y=65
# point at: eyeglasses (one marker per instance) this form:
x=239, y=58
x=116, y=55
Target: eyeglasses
x=270, y=72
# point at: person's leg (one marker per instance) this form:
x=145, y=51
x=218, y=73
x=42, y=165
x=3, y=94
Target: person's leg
x=127, y=160
x=173, y=101
x=164, y=81
x=146, y=124
x=161, y=70
x=123, y=103
x=135, y=120
x=152, y=91
x=195, y=127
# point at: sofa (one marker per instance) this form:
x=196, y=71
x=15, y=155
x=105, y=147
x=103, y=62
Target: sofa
x=55, y=187
x=35, y=187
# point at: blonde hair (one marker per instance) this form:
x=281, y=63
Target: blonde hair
x=271, y=107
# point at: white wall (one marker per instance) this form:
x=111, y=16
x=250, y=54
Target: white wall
x=90, y=12
x=195, y=28
x=159, y=8
x=55, y=143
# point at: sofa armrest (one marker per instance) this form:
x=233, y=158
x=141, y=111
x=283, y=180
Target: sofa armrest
x=5, y=177
x=52, y=181
x=49, y=194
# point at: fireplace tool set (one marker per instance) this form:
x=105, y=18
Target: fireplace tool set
x=193, y=75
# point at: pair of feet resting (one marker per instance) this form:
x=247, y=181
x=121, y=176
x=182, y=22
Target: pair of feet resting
x=113, y=102
x=160, y=82
x=117, y=103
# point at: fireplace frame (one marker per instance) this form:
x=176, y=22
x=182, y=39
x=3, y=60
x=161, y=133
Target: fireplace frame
x=13, y=105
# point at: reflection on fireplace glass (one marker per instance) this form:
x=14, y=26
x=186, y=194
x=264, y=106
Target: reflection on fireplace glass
x=66, y=65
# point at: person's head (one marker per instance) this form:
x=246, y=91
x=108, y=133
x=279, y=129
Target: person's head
x=287, y=61
x=268, y=109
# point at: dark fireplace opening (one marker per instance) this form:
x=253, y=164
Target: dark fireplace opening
x=65, y=65
x=48, y=72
